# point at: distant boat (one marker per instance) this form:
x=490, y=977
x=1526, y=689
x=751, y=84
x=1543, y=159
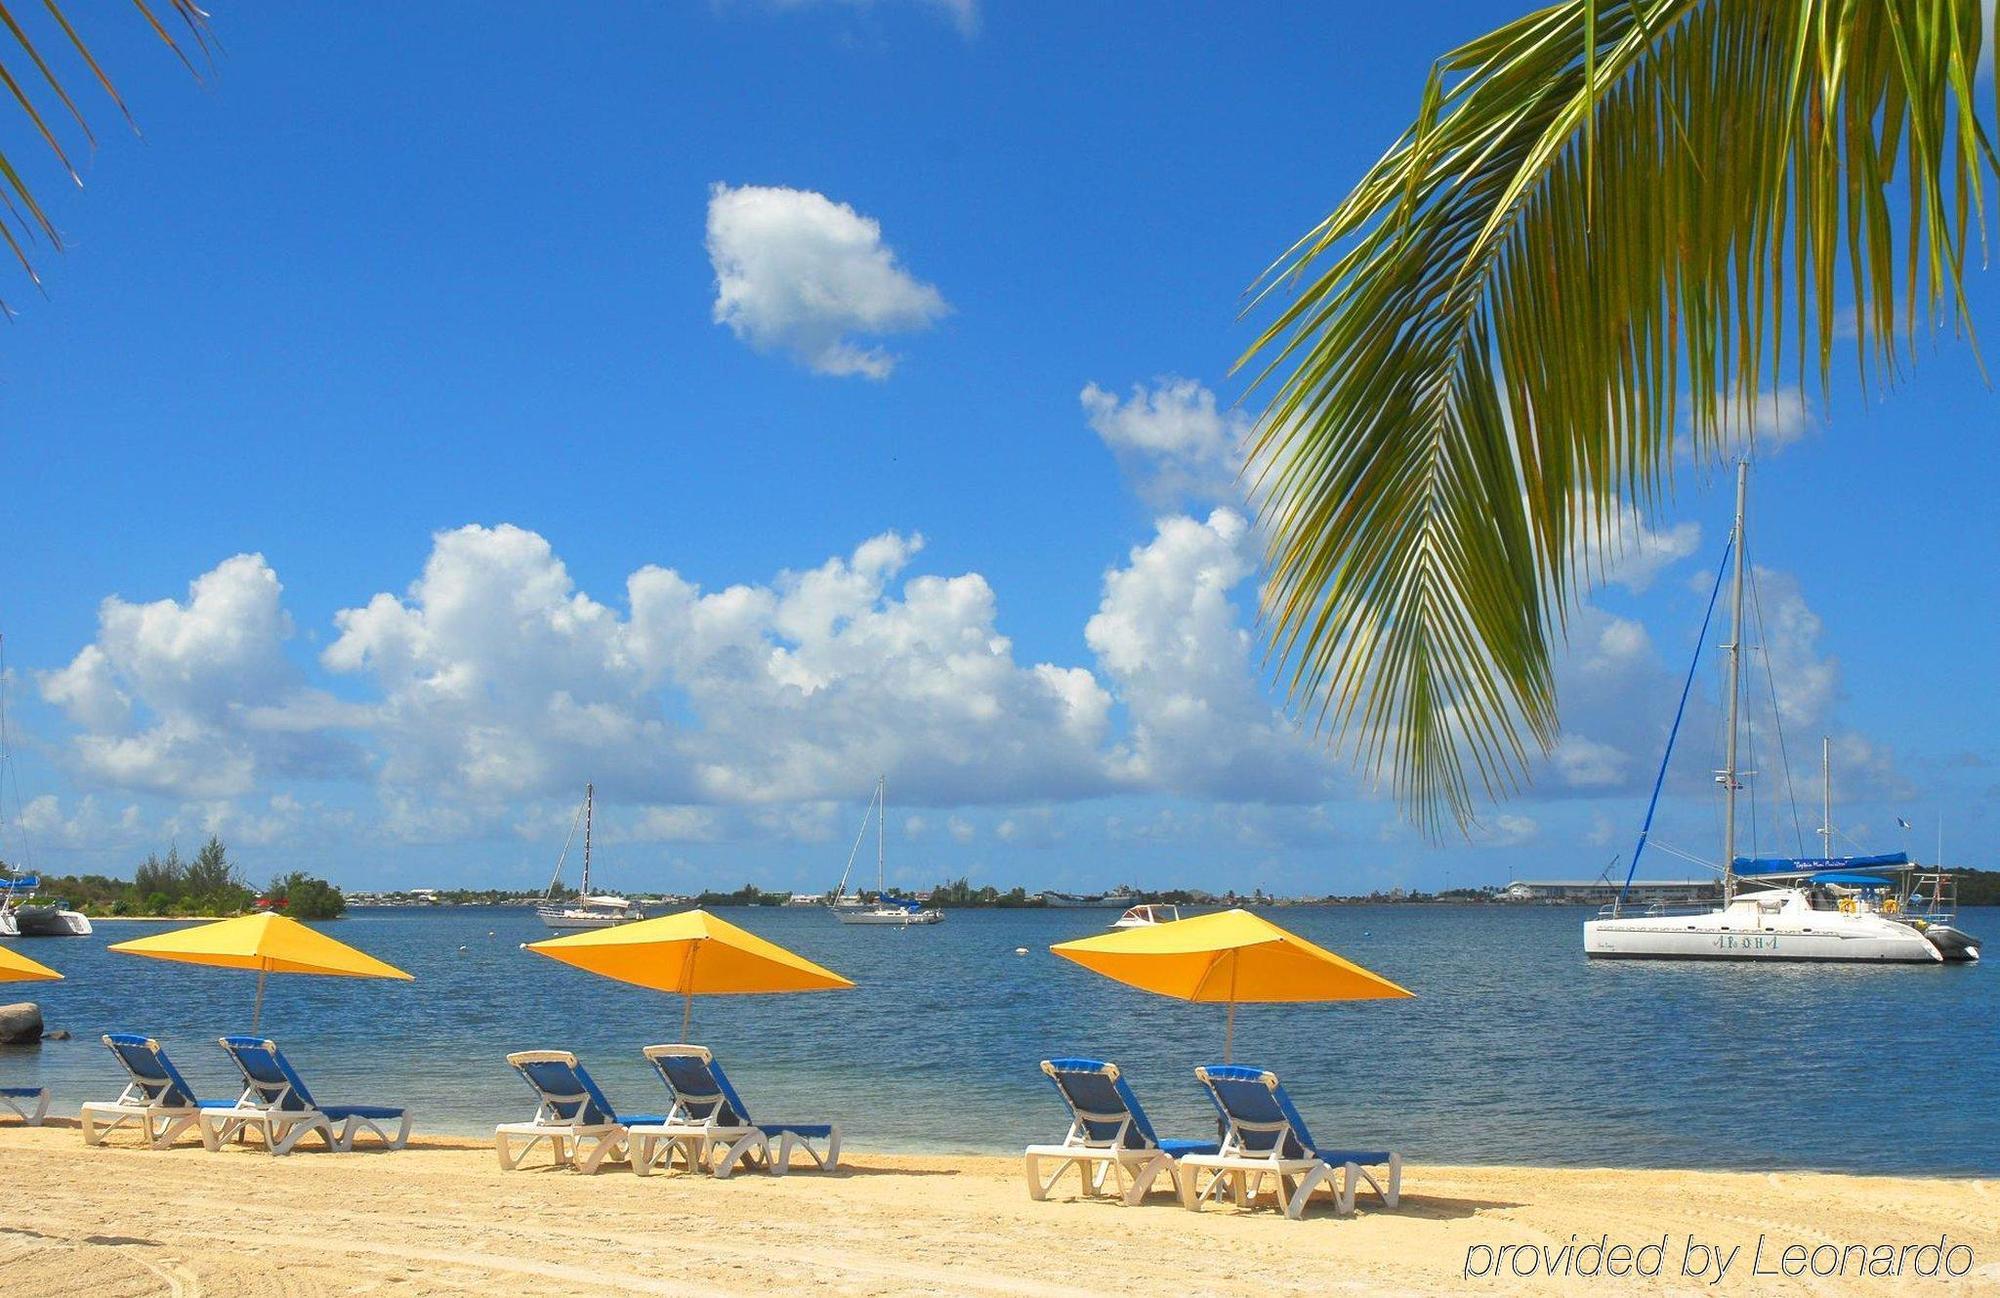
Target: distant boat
x=1113, y=900
x=1147, y=916
x=586, y=909
x=20, y=914
x=887, y=910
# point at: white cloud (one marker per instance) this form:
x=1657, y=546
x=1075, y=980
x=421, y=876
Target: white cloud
x=962, y=14
x=799, y=273
x=961, y=829
x=809, y=686
x=664, y=824
x=1617, y=697
x=1776, y=418
x=1583, y=763
x=801, y=822
x=87, y=824
x=1511, y=830
x=1604, y=831
x=1635, y=554
x=492, y=687
x=1032, y=827
x=1784, y=628
x=1170, y=641
x=196, y=698
x=1172, y=441
x=502, y=680
x=1787, y=661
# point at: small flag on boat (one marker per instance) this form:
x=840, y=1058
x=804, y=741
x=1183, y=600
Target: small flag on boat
x=1904, y=823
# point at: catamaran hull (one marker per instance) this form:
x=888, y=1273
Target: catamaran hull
x=1671, y=939
x=47, y=921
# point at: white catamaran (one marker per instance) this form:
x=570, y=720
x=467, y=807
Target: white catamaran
x=886, y=910
x=586, y=909
x=1825, y=909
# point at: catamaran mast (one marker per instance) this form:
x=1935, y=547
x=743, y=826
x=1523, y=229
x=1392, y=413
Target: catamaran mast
x=1728, y=773
x=1825, y=798
x=584, y=891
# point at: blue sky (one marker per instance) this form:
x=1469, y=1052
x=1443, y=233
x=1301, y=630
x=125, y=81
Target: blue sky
x=380, y=280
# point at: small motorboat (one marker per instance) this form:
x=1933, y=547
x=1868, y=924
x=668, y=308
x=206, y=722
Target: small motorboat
x=1147, y=916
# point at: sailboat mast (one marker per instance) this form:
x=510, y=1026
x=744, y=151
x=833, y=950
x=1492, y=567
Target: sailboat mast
x=1735, y=692
x=1825, y=798
x=588, y=792
x=881, y=814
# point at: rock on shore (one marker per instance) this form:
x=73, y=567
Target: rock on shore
x=20, y=1024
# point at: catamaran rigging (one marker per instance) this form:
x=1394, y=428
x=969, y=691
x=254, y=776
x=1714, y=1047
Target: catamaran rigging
x=1777, y=909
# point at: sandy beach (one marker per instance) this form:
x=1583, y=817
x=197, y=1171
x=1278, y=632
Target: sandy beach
x=440, y=1218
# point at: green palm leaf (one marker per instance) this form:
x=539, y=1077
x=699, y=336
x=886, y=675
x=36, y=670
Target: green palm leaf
x=1614, y=223
x=23, y=220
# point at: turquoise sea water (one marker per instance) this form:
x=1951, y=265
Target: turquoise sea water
x=1516, y=1050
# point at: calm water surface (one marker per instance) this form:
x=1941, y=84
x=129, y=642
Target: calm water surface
x=1516, y=1049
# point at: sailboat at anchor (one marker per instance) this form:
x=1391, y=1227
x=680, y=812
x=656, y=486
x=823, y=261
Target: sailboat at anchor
x=586, y=909
x=887, y=909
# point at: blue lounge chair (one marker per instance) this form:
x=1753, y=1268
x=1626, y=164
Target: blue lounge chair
x=571, y=1112
x=708, y=1116
x=157, y=1098
x=1265, y=1136
x=1108, y=1129
x=31, y=1102
x=276, y=1101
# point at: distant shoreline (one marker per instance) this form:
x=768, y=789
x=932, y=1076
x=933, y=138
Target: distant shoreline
x=172, y=919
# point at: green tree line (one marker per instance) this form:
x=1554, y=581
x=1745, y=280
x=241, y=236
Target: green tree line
x=208, y=885
x=748, y=895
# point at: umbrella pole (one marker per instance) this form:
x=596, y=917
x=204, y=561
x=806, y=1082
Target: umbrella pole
x=687, y=988
x=257, y=1011
x=1229, y=1023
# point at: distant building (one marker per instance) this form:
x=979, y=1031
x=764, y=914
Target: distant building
x=1598, y=891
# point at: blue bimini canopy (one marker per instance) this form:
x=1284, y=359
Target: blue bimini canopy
x=1752, y=865
x=1851, y=880
x=26, y=883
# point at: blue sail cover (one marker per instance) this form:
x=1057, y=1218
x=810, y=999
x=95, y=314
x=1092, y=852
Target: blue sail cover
x=1756, y=865
x=26, y=883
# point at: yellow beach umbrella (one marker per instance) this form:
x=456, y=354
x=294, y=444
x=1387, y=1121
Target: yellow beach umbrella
x=19, y=969
x=1231, y=957
x=267, y=942
x=690, y=954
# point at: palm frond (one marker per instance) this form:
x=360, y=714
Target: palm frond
x=1613, y=224
x=24, y=221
